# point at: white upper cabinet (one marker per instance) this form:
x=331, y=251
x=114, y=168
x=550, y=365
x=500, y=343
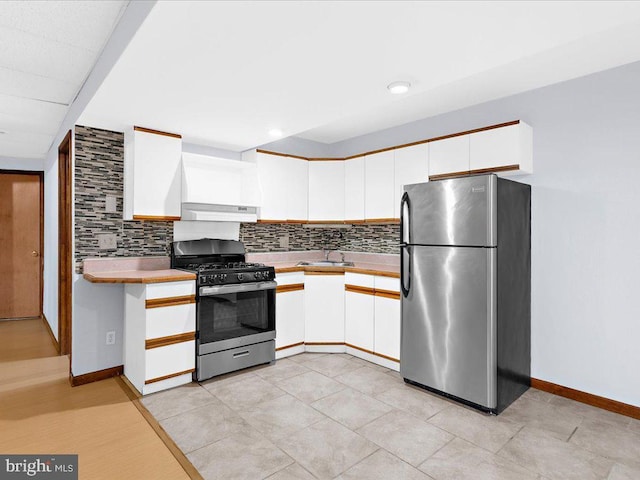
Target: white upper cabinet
x=450, y=155
x=354, y=189
x=326, y=190
x=284, y=183
x=297, y=188
x=505, y=147
x=379, y=185
x=152, y=175
x=272, y=174
x=411, y=166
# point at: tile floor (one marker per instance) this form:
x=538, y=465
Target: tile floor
x=336, y=416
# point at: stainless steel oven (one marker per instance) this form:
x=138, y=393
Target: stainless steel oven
x=235, y=306
x=236, y=327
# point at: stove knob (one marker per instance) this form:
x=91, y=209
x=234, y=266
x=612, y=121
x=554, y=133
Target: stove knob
x=223, y=276
x=257, y=275
x=240, y=276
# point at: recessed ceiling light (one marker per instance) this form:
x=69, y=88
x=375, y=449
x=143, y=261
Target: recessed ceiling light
x=398, y=88
x=275, y=132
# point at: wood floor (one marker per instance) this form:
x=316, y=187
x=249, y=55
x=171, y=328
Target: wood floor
x=40, y=413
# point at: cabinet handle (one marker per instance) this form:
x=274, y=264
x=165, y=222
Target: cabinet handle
x=241, y=354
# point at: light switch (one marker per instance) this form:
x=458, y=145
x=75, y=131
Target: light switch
x=110, y=204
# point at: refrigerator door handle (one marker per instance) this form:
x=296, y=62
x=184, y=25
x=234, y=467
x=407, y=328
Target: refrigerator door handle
x=405, y=271
x=404, y=219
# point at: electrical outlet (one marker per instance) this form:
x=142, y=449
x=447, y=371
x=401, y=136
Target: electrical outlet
x=284, y=241
x=111, y=337
x=107, y=241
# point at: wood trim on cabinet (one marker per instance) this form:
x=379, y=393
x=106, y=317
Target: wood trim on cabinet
x=377, y=273
x=56, y=345
x=388, y=294
x=588, y=398
x=289, y=346
x=355, y=222
x=370, y=352
x=96, y=376
x=395, y=147
x=278, y=154
x=443, y=176
x=358, y=289
x=325, y=222
x=382, y=220
x=156, y=132
x=156, y=218
x=169, y=340
x=386, y=357
x=167, y=377
x=319, y=344
x=293, y=287
x=326, y=159
x=319, y=271
x=169, y=301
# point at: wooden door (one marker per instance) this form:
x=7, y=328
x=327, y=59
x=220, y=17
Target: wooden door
x=20, y=244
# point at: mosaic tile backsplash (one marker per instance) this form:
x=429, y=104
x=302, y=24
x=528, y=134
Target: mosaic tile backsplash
x=264, y=237
x=99, y=169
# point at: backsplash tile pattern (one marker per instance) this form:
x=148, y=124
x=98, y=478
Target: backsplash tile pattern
x=263, y=237
x=99, y=169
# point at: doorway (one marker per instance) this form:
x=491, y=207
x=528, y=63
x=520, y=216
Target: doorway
x=65, y=261
x=21, y=240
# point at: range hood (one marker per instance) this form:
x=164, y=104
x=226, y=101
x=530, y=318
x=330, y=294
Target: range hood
x=219, y=190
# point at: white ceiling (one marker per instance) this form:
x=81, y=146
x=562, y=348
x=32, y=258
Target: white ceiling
x=224, y=73
x=48, y=50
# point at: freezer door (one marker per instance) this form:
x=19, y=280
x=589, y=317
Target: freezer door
x=449, y=321
x=458, y=211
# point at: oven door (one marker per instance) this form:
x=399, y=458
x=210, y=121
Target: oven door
x=230, y=316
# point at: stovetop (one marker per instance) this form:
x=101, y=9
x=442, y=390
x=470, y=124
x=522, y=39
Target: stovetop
x=229, y=273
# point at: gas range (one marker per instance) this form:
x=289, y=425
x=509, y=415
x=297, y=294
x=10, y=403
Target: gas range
x=230, y=273
x=235, y=305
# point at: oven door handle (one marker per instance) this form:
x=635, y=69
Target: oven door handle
x=243, y=287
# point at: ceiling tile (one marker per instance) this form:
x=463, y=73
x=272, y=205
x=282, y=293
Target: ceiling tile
x=85, y=24
x=28, y=85
x=19, y=114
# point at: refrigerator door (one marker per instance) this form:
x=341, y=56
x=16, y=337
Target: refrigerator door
x=457, y=211
x=449, y=321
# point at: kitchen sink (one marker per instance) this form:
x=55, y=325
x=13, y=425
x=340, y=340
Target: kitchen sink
x=325, y=263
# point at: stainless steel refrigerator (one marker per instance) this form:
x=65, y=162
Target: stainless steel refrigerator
x=466, y=289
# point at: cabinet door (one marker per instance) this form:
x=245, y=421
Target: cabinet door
x=450, y=155
x=354, y=189
x=387, y=326
x=272, y=174
x=411, y=166
x=297, y=188
x=289, y=318
x=324, y=308
x=502, y=147
x=153, y=175
x=326, y=190
x=358, y=319
x=379, y=198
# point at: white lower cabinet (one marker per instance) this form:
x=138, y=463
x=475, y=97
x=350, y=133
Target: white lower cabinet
x=289, y=314
x=387, y=327
x=159, y=335
x=358, y=311
x=324, y=308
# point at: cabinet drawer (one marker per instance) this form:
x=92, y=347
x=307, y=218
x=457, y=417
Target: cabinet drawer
x=171, y=289
x=168, y=360
x=359, y=279
x=165, y=321
x=235, y=359
x=289, y=278
x=387, y=283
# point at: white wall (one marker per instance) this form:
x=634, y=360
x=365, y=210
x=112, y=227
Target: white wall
x=30, y=164
x=585, y=222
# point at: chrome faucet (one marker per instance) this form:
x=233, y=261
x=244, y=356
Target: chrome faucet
x=329, y=252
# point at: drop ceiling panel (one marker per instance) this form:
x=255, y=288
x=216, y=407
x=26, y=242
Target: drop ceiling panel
x=41, y=116
x=28, y=85
x=85, y=24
